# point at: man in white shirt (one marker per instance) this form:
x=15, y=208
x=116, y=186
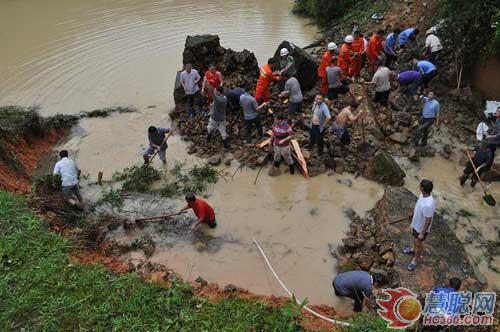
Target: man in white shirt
x=190, y=79
x=70, y=174
x=421, y=221
x=382, y=81
x=433, y=45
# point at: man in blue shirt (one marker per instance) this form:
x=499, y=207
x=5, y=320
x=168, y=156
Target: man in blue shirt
x=430, y=114
x=426, y=69
x=251, y=114
x=391, y=47
x=320, y=119
x=410, y=81
x=407, y=36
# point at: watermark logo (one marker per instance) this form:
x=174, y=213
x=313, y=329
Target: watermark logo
x=400, y=307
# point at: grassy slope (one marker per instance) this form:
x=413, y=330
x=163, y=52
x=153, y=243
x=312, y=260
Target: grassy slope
x=39, y=290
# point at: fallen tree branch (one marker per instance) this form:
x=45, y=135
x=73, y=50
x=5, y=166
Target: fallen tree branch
x=337, y=322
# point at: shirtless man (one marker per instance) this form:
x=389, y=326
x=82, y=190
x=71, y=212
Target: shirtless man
x=345, y=117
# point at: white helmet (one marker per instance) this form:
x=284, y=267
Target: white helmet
x=348, y=39
x=284, y=51
x=332, y=46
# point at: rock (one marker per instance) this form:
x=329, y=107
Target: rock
x=346, y=182
x=273, y=171
x=192, y=149
x=383, y=169
x=400, y=138
x=333, y=249
x=230, y=288
x=386, y=247
x=365, y=262
x=228, y=161
x=261, y=161
x=339, y=169
x=404, y=118
x=214, y=160
x=305, y=63
x=201, y=281
x=493, y=175
x=353, y=243
x=389, y=258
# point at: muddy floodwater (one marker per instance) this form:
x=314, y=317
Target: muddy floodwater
x=71, y=55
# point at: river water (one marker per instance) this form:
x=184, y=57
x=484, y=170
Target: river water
x=69, y=55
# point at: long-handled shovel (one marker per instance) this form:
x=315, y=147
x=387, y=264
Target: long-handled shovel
x=162, y=143
x=159, y=217
x=487, y=196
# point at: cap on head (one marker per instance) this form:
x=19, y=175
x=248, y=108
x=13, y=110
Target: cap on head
x=152, y=129
x=430, y=31
x=284, y=51
x=348, y=39
x=426, y=186
x=332, y=46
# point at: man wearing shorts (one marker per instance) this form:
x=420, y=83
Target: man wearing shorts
x=70, y=174
x=423, y=215
x=281, y=136
x=294, y=93
x=345, y=117
x=156, y=137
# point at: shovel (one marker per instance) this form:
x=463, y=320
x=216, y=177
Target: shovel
x=487, y=196
x=159, y=217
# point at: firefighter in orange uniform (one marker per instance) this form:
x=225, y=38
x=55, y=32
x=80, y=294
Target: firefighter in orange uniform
x=325, y=62
x=267, y=75
x=345, y=55
x=375, y=50
x=358, y=48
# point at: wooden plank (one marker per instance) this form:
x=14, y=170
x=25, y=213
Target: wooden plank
x=265, y=142
x=297, y=154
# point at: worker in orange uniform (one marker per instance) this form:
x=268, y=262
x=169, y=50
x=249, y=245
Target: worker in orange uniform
x=325, y=62
x=345, y=55
x=358, y=49
x=212, y=80
x=375, y=50
x=267, y=75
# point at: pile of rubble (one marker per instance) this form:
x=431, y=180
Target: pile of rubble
x=376, y=244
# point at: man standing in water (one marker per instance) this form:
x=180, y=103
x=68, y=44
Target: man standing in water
x=189, y=80
x=218, y=117
x=203, y=211
x=70, y=175
x=157, y=143
x=281, y=136
x=423, y=214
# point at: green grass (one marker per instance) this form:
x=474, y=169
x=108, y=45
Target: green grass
x=40, y=290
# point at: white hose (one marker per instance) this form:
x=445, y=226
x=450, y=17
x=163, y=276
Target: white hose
x=337, y=322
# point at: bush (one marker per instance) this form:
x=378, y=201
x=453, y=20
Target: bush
x=137, y=178
x=366, y=322
x=471, y=28
x=185, y=181
x=323, y=12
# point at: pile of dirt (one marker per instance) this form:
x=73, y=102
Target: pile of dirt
x=376, y=244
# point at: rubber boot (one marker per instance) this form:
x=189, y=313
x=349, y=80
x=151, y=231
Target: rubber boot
x=463, y=178
x=473, y=181
x=292, y=169
x=225, y=142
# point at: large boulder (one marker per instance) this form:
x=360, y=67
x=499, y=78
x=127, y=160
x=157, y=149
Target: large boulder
x=306, y=65
x=383, y=169
x=238, y=68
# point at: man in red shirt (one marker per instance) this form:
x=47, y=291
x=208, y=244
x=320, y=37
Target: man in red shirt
x=212, y=80
x=204, y=212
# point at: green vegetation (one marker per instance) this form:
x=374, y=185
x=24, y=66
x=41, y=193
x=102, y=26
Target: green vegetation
x=327, y=12
x=365, y=322
x=185, y=181
x=137, y=178
x=105, y=112
x=112, y=197
x=471, y=28
x=41, y=290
